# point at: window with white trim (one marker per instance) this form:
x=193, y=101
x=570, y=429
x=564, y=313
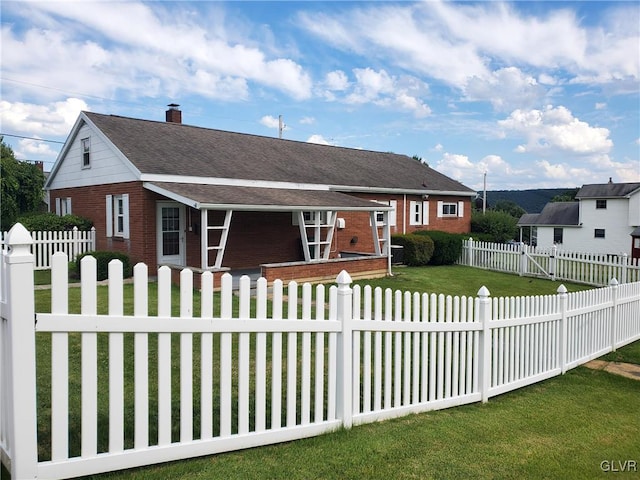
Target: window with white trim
x=117, y=215
x=392, y=213
x=311, y=216
x=450, y=209
x=63, y=206
x=601, y=204
x=86, y=152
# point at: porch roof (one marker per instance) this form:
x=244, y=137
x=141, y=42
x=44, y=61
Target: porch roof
x=223, y=197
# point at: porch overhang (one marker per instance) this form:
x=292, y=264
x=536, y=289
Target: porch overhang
x=232, y=197
x=316, y=229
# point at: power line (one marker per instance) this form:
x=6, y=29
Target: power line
x=31, y=138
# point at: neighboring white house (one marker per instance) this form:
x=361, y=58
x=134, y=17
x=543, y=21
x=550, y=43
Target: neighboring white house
x=605, y=218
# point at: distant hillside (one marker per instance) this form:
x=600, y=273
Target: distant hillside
x=533, y=201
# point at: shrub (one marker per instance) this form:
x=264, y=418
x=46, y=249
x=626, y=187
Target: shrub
x=102, y=263
x=49, y=222
x=500, y=226
x=447, y=246
x=417, y=249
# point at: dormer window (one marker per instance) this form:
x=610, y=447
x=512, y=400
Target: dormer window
x=86, y=152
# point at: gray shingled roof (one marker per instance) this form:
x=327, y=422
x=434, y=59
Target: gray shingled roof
x=607, y=190
x=182, y=150
x=554, y=213
x=205, y=195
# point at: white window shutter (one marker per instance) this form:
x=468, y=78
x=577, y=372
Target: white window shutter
x=109, y=216
x=461, y=209
x=125, y=207
x=425, y=212
x=58, y=206
x=440, y=208
x=392, y=213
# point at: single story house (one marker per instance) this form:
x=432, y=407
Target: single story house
x=604, y=219
x=167, y=193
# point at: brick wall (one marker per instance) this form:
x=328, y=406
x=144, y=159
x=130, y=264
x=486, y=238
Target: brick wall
x=90, y=202
x=363, y=267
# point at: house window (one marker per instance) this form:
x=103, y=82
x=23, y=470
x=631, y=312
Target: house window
x=117, y=215
x=557, y=235
x=392, y=214
x=86, y=152
x=63, y=206
x=419, y=213
x=310, y=217
x=598, y=233
x=450, y=209
x=601, y=204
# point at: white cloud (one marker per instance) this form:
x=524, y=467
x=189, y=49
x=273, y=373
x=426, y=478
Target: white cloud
x=336, y=80
x=505, y=88
x=319, y=139
x=600, y=105
x=556, y=128
x=52, y=120
x=270, y=122
x=146, y=50
x=307, y=120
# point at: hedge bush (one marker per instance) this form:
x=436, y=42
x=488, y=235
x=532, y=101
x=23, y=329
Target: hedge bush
x=417, y=250
x=447, y=246
x=49, y=222
x=102, y=263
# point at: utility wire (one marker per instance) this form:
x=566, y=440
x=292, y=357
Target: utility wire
x=31, y=138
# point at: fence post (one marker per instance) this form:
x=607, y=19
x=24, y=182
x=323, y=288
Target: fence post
x=552, y=262
x=470, y=252
x=344, y=391
x=484, y=316
x=625, y=263
x=75, y=244
x=523, y=259
x=614, y=313
x=93, y=239
x=563, y=298
x=19, y=315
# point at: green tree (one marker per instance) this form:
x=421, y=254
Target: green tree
x=494, y=225
x=512, y=208
x=21, y=186
x=568, y=196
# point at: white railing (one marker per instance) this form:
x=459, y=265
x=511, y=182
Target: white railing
x=262, y=367
x=553, y=263
x=72, y=242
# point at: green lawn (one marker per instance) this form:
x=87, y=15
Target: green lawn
x=561, y=428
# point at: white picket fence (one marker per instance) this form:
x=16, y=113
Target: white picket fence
x=552, y=262
x=72, y=242
x=132, y=388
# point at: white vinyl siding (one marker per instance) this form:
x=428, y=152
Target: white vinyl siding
x=117, y=215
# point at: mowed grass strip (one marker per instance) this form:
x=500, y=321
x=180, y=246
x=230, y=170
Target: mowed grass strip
x=565, y=427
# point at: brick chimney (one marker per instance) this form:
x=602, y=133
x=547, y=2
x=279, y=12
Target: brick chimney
x=174, y=115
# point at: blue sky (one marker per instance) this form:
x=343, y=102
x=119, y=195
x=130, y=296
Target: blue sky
x=536, y=94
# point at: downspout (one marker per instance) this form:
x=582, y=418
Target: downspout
x=404, y=214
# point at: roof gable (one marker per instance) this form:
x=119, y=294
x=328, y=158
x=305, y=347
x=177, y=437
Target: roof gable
x=554, y=213
x=164, y=148
x=608, y=190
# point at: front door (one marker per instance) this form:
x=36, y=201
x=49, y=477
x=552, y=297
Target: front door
x=171, y=231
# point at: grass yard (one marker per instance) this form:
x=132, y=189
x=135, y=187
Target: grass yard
x=561, y=428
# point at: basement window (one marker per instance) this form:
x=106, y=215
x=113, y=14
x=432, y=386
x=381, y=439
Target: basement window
x=598, y=233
